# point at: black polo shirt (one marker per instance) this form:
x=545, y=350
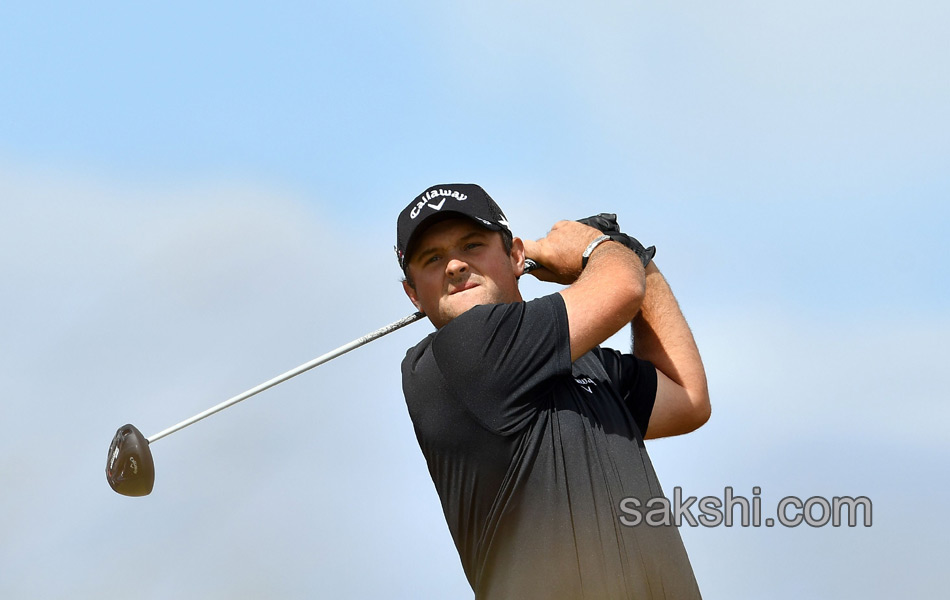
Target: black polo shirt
x=532, y=456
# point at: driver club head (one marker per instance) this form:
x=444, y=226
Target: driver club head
x=129, y=466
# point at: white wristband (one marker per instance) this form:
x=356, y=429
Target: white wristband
x=591, y=247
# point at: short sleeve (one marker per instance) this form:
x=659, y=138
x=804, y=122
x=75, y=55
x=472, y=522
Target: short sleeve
x=635, y=380
x=498, y=359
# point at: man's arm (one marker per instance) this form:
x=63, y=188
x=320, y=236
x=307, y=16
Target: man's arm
x=662, y=336
x=603, y=296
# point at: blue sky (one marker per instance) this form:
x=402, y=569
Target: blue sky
x=197, y=198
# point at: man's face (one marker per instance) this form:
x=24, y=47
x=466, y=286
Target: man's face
x=457, y=264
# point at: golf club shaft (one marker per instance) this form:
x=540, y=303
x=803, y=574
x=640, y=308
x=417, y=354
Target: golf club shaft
x=530, y=265
x=292, y=373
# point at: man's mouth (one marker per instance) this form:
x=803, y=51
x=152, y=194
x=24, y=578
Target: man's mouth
x=468, y=285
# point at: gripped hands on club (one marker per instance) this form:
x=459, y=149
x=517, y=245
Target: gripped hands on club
x=559, y=253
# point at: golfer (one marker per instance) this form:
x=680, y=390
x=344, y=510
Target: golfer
x=532, y=433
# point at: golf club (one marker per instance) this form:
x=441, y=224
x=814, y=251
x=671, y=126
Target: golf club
x=130, y=469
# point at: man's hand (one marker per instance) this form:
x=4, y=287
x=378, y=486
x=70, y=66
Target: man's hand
x=604, y=222
x=607, y=224
x=559, y=253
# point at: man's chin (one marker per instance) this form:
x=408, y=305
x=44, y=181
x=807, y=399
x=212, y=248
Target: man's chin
x=461, y=302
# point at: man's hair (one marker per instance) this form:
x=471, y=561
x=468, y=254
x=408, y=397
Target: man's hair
x=506, y=241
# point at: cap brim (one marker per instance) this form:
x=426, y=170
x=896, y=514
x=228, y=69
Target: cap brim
x=438, y=217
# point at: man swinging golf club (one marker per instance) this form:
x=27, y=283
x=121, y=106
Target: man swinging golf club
x=533, y=434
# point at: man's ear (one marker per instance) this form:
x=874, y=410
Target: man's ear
x=517, y=256
x=412, y=295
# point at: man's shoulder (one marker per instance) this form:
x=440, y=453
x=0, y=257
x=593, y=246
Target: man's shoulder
x=462, y=328
x=416, y=352
x=544, y=309
x=487, y=330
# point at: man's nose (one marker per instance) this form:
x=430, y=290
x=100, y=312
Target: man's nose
x=456, y=266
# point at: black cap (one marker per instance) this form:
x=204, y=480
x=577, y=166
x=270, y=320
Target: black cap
x=465, y=199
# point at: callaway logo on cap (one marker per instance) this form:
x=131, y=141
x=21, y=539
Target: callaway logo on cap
x=466, y=199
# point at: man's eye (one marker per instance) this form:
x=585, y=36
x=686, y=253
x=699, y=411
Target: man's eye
x=472, y=245
x=432, y=259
